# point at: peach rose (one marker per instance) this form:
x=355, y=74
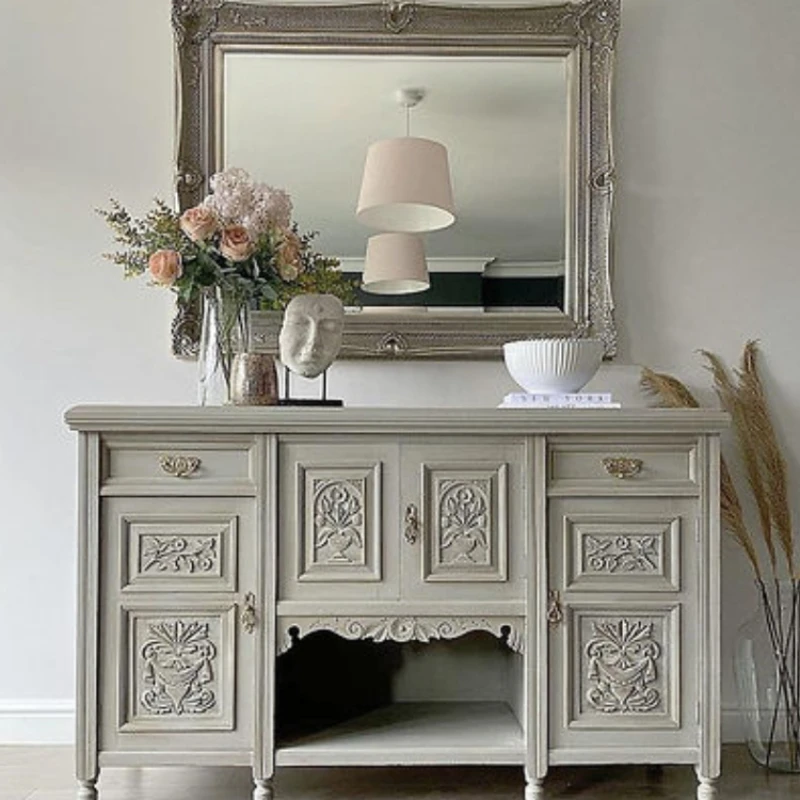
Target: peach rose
x=199, y=223
x=165, y=266
x=290, y=264
x=236, y=244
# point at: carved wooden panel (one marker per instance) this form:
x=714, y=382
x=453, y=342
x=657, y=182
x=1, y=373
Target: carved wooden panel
x=179, y=670
x=465, y=519
x=621, y=552
x=623, y=668
x=340, y=511
x=169, y=553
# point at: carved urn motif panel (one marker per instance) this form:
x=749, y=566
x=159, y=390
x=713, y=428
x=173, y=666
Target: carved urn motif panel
x=622, y=553
x=624, y=668
x=467, y=522
x=340, y=509
x=180, y=673
x=179, y=553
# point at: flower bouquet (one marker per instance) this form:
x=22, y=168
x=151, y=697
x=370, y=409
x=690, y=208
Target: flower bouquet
x=238, y=250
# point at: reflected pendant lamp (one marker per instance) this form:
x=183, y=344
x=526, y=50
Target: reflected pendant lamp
x=406, y=184
x=395, y=264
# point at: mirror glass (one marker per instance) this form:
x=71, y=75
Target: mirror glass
x=303, y=122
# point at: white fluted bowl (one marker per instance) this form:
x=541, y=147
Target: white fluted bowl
x=553, y=366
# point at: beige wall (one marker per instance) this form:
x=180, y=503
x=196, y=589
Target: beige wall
x=707, y=240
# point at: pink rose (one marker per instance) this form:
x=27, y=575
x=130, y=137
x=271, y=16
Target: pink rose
x=236, y=244
x=166, y=266
x=199, y=223
x=290, y=263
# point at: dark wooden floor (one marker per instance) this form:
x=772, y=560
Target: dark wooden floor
x=45, y=773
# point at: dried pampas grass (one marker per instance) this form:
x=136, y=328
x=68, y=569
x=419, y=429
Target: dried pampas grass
x=742, y=395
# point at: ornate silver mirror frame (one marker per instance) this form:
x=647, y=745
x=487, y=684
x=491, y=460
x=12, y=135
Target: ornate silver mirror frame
x=584, y=32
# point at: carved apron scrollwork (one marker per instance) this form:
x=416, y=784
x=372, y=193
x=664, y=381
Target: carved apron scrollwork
x=402, y=629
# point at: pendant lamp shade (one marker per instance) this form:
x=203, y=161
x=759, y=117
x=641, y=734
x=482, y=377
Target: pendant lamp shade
x=395, y=264
x=406, y=186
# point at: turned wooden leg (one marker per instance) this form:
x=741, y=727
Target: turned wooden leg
x=87, y=790
x=263, y=789
x=707, y=788
x=534, y=789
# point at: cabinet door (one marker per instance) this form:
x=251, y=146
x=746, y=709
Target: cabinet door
x=623, y=624
x=177, y=667
x=337, y=524
x=463, y=520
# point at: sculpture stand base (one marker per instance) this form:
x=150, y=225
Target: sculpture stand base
x=288, y=401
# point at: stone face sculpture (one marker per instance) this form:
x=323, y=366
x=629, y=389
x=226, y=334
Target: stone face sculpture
x=311, y=334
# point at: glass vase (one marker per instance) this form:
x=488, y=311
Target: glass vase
x=767, y=667
x=224, y=333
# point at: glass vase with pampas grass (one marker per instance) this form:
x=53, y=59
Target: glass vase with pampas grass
x=767, y=649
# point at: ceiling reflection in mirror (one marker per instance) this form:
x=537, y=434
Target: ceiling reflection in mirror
x=303, y=122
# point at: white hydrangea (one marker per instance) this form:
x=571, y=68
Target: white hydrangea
x=236, y=200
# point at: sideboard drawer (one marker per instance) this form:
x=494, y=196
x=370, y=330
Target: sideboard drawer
x=608, y=463
x=178, y=465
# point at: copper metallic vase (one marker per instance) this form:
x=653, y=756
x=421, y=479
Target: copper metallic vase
x=254, y=380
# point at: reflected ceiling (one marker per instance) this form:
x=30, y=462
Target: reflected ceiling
x=304, y=122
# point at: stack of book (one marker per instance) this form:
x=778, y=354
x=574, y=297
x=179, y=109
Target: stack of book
x=576, y=400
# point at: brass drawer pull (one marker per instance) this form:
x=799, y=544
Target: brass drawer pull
x=180, y=466
x=622, y=467
x=555, y=612
x=411, y=524
x=249, y=617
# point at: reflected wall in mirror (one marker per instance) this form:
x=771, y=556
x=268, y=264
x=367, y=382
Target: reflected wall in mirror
x=519, y=96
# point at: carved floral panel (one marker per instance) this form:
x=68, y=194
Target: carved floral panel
x=622, y=667
x=180, y=673
x=184, y=555
x=340, y=511
x=619, y=553
x=178, y=661
x=625, y=669
x=339, y=527
x=464, y=522
x=173, y=554
x=467, y=521
x=622, y=553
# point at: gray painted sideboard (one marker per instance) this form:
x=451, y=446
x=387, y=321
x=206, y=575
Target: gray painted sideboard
x=568, y=559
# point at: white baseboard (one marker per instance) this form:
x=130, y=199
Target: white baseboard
x=37, y=721
x=53, y=722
